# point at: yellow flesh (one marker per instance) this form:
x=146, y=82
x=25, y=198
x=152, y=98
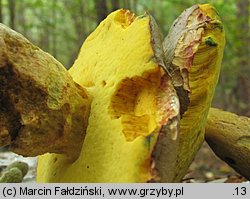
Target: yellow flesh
x=116, y=66
x=203, y=78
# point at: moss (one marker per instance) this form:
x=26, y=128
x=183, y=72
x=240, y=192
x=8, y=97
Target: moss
x=210, y=42
x=13, y=175
x=22, y=166
x=15, y=172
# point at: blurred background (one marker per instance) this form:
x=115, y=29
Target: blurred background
x=61, y=26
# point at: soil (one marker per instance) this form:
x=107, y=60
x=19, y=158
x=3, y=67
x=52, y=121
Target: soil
x=207, y=167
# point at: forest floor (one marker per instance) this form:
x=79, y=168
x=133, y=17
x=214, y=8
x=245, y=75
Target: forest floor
x=206, y=167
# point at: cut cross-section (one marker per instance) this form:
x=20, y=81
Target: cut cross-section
x=133, y=124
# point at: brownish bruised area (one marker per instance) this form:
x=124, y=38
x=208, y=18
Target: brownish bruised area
x=41, y=108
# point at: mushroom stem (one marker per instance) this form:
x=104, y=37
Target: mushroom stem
x=229, y=136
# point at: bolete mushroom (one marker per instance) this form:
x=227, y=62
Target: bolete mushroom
x=133, y=128
x=144, y=103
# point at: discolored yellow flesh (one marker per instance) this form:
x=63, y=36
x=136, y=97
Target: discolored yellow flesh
x=203, y=76
x=118, y=68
